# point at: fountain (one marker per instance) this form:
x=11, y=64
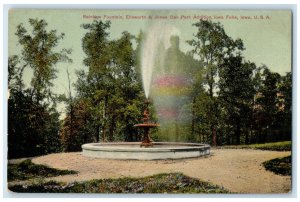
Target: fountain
x=148, y=149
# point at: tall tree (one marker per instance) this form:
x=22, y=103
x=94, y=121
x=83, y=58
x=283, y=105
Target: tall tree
x=96, y=46
x=38, y=53
x=267, y=100
x=236, y=94
x=212, y=46
x=33, y=119
x=110, y=86
x=128, y=97
x=285, y=107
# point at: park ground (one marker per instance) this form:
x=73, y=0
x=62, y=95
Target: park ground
x=236, y=170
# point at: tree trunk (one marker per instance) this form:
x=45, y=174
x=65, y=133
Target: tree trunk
x=111, y=129
x=211, y=84
x=103, y=134
x=85, y=137
x=104, y=122
x=228, y=139
x=238, y=132
x=193, y=117
x=97, y=133
x=214, y=137
x=71, y=120
x=211, y=89
x=247, y=138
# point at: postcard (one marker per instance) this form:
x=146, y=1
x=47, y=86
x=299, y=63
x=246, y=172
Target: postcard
x=185, y=101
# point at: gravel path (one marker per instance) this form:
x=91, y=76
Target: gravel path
x=238, y=170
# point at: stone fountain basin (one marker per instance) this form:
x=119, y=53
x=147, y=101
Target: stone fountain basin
x=132, y=150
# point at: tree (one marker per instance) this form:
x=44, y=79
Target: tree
x=32, y=128
x=236, y=94
x=285, y=107
x=266, y=102
x=96, y=46
x=33, y=120
x=38, y=53
x=110, y=87
x=128, y=97
x=75, y=129
x=212, y=46
x=15, y=74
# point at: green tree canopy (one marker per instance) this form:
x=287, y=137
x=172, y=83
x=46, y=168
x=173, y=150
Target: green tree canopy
x=38, y=53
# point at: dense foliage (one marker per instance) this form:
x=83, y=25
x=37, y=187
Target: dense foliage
x=173, y=183
x=231, y=101
x=242, y=103
x=280, y=166
x=110, y=98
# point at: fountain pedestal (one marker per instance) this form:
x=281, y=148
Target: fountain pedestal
x=146, y=142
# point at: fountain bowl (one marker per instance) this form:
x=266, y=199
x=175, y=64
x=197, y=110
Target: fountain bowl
x=133, y=150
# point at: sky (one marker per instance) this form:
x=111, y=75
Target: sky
x=266, y=33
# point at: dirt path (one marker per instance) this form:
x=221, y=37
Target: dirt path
x=238, y=170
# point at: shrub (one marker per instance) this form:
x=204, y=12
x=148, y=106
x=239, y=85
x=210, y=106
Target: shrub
x=281, y=166
x=27, y=170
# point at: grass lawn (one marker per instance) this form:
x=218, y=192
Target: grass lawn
x=28, y=170
x=161, y=183
x=274, y=146
x=281, y=166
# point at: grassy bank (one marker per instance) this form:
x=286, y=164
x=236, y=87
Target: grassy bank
x=280, y=166
x=161, y=183
x=28, y=170
x=274, y=146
